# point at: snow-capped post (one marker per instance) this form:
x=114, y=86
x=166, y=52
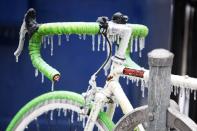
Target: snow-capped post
x=159, y=84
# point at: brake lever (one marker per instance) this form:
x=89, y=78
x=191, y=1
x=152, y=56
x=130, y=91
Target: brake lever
x=22, y=33
x=29, y=26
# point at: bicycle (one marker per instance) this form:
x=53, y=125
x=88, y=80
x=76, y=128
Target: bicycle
x=93, y=102
x=75, y=101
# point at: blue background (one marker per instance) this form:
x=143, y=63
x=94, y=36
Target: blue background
x=74, y=59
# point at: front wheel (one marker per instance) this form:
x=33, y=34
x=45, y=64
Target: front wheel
x=57, y=100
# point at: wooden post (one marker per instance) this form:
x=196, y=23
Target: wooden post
x=160, y=63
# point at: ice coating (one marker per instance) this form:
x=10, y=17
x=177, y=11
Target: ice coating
x=59, y=40
x=42, y=77
x=48, y=40
x=80, y=37
x=99, y=42
x=136, y=44
x=93, y=42
x=52, y=85
x=84, y=36
x=36, y=72
x=51, y=115
x=72, y=116
x=177, y=82
x=160, y=53
x=67, y=37
x=59, y=112
x=51, y=45
x=104, y=43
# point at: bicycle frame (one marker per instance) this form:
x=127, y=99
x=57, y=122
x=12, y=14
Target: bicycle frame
x=121, y=58
x=112, y=93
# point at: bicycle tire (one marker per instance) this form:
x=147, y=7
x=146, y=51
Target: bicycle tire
x=51, y=101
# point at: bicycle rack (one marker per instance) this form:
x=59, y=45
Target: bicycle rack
x=161, y=113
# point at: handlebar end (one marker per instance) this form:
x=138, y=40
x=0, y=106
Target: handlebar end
x=56, y=77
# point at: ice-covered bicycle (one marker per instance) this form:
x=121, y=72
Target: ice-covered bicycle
x=96, y=104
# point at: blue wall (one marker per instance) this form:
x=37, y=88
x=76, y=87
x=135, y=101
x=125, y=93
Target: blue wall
x=74, y=59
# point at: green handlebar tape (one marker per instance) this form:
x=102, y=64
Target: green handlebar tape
x=53, y=29
x=69, y=28
x=138, y=30
x=89, y=28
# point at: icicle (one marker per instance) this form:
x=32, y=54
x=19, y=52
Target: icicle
x=187, y=92
x=59, y=40
x=80, y=37
x=137, y=82
x=59, y=112
x=127, y=81
x=78, y=117
x=131, y=44
x=177, y=90
x=140, y=53
x=171, y=88
x=174, y=90
x=104, y=41
x=65, y=113
x=72, y=116
x=16, y=58
x=81, y=118
x=52, y=85
x=44, y=42
x=141, y=45
x=142, y=87
x=132, y=79
x=51, y=45
x=67, y=37
x=42, y=77
x=84, y=121
x=36, y=72
x=48, y=40
x=136, y=42
x=181, y=93
x=51, y=115
x=84, y=36
x=99, y=42
x=45, y=45
x=194, y=94
x=93, y=42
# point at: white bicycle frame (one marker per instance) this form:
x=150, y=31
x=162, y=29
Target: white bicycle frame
x=113, y=87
